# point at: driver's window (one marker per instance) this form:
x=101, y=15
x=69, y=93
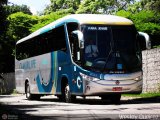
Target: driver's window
x=91, y=49
x=73, y=43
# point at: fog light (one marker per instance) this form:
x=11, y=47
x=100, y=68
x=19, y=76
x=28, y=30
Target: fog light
x=138, y=78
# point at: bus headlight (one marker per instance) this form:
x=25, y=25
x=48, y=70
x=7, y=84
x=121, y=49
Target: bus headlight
x=89, y=78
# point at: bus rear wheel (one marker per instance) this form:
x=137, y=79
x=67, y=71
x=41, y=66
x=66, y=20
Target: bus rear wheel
x=30, y=96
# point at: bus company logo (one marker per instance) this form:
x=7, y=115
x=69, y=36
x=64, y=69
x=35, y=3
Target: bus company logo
x=79, y=82
x=117, y=82
x=4, y=117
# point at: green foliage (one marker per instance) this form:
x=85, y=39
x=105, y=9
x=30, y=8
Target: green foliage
x=124, y=13
x=58, y=5
x=46, y=19
x=143, y=95
x=10, y=9
x=20, y=25
x=102, y=6
x=150, y=5
x=14, y=92
x=144, y=13
x=146, y=21
x=94, y=6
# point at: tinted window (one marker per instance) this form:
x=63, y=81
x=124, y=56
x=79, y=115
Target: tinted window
x=111, y=48
x=53, y=40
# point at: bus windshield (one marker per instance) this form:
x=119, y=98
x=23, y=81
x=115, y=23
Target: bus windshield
x=111, y=49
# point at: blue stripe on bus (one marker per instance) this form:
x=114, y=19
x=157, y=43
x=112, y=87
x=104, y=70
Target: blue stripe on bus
x=47, y=88
x=44, y=30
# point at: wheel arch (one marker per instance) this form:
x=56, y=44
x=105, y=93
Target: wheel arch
x=64, y=81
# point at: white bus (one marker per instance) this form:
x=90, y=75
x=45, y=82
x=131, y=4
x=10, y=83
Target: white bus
x=81, y=55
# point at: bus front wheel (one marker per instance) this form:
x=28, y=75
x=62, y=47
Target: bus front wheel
x=68, y=97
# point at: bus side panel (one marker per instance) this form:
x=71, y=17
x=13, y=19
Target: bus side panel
x=39, y=71
x=46, y=75
x=25, y=72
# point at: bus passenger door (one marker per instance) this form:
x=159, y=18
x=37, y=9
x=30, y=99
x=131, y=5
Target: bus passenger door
x=78, y=83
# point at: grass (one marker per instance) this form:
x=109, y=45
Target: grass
x=14, y=92
x=158, y=46
x=142, y=95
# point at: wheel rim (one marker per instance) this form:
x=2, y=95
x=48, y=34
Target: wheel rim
x=28, y=92
x=67, y=93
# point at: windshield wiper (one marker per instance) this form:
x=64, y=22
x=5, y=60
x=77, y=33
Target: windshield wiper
x=110, y=52
x=107, y=58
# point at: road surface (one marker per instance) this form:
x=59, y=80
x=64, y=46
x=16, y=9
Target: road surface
x=91, y=108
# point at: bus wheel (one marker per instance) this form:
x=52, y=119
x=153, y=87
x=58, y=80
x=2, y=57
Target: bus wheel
x=29, y=96
x=68, y=97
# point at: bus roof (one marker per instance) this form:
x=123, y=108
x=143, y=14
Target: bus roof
x=81, y=19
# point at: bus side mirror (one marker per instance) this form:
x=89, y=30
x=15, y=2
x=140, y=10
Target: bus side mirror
x=79, y=36
x=144, y=41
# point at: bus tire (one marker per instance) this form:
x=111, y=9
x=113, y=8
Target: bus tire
x=68, y=97
x=30, y=96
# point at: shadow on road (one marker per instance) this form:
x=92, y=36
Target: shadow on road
x=20, y=111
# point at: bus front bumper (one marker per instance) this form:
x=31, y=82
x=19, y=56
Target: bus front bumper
x=113, y=86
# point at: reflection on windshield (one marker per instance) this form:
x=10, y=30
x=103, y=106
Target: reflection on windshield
x=111, y=48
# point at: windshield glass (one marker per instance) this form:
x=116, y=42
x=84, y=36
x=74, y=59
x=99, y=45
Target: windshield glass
x=111, y=48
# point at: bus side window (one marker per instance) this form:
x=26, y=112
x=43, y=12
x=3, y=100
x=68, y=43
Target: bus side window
x=21, y=51
x=58, y=39
x=52, y=40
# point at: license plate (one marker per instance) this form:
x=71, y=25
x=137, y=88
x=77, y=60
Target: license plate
x=117, y=89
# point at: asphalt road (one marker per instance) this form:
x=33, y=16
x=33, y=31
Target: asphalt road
x=92, y=108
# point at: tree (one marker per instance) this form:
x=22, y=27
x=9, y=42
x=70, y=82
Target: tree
x=58, y=5
x=145, y=21
x=46, y=19
x=20, y=25
x=2, y=18
x=103, y=6
x=10, y=9
x=3, y=27
x=150, y=5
